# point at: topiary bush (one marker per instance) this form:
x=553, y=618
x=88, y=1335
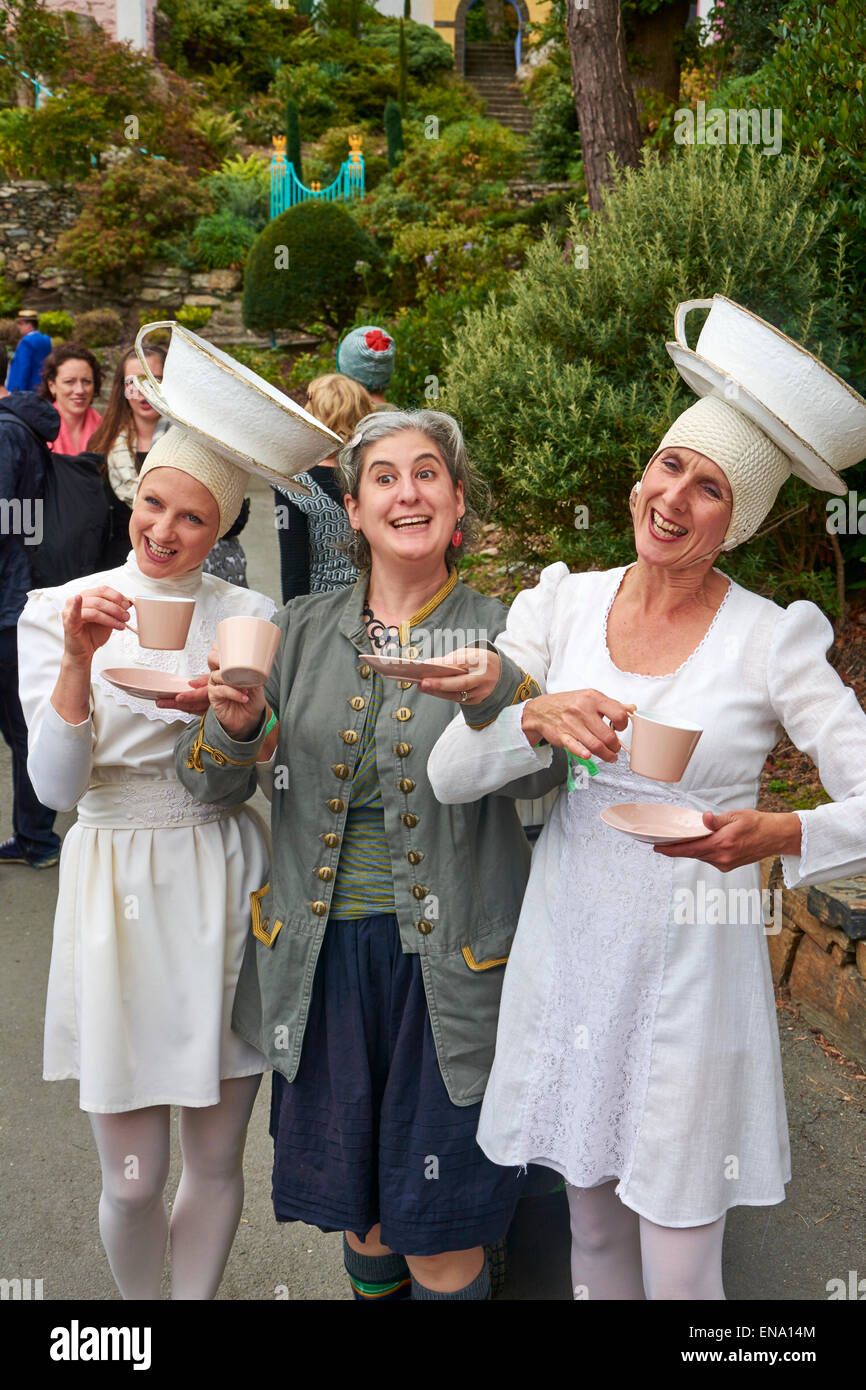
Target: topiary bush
x=303, y=267
x=426, y=53
x=565, y=389
x=97, y=328
x=56, y=323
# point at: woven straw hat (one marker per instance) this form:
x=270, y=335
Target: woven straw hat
x=224, y=481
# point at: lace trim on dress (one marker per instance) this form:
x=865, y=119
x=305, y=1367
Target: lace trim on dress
x=792, y=877
x=587, y=1089
x=125, y=651
x=640, y=675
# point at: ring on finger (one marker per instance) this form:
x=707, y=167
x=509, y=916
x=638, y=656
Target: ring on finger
x=464, y=696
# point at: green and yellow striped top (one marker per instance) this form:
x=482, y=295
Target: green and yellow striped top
x=364, y=885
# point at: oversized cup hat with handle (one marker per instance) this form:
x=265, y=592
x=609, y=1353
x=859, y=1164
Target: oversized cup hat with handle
x=810, y=413
x=232, y=410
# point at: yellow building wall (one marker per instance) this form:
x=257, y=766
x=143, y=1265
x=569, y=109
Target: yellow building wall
x=444, y=13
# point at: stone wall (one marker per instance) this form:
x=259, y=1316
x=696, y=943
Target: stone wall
x=820, y=956
x=32, y=216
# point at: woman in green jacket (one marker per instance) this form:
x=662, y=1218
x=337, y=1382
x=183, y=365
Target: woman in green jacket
x=372, y=976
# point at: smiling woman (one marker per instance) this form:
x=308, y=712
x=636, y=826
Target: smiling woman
x=71, y=377
x=138, y=1008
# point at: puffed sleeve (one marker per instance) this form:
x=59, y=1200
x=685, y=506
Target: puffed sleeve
x=468, y=763
x=60, y=755
x=823, y=718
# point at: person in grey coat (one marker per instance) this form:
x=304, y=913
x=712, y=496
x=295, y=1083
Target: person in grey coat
x=372, y=975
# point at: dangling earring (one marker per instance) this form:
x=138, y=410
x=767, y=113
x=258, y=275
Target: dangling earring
x=457, y=536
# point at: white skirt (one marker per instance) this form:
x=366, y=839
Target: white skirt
x=152, y=917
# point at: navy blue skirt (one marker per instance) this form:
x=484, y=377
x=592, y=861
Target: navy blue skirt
x=366, y=1132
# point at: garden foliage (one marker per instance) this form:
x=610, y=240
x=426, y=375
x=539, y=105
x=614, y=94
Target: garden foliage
x=565, y=391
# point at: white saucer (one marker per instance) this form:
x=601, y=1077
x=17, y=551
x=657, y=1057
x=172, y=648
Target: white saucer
x=706, y=379
x=655, y=823
x=146, y=683
x=402, y=668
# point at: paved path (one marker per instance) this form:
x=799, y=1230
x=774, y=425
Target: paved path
x=49, y=1175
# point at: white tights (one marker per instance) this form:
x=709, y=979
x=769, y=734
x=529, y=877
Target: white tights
x=616, y=1254
x=134, y=1149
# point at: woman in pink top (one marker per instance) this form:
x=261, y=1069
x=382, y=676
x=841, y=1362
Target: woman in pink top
x=71, y=377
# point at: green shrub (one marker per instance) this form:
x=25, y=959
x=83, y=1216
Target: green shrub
x=554, y=143
x=426, y=53
x=193, y=316
x=243, y=187
x=218, y=131
x=56, y=323
x=393, y=132
x=10, y=299
x=302, y=267
x=221, y=240
x=98, y=328
x=565, y=390
x=126, y=213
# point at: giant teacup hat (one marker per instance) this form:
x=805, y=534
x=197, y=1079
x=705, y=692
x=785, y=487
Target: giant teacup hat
x=232, y=411
x=768, y=408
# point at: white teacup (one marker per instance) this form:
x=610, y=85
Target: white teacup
x=163, y=623
x=247, y=647
x=661, y=745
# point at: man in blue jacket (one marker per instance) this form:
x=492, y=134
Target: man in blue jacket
x=25, y=373
x=26, y=424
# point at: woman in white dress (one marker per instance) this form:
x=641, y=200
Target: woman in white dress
x=153, y=905
x=637, y=1052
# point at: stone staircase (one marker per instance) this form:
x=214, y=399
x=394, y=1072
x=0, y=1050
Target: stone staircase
x=490, y=70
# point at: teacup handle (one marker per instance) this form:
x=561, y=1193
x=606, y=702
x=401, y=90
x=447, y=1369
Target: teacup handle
x=140, y=351
x=625, y=745
x=680, y=317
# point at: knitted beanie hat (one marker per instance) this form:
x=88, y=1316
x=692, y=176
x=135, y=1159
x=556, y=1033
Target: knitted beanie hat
x=367, y=355
x=754, y=466
x=225, y=482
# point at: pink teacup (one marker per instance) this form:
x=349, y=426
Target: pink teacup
x=661, y=746
x=247, y=647
x=163, y=623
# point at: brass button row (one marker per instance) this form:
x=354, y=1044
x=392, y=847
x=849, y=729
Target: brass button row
x=330, y=839
x=365, y=671
x=424, y=926
x=319, y=908
x=348, y=736
x=341, y=770
x=415, y=856
x=406, y=785
x=336, y=805
x=406, y=685
x=402, y=749
x=325, y=874
x=419, y=892
x=402, y=714
x=358, y=702
x=409, y=820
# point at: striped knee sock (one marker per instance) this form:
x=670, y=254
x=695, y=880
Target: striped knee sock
x=377, y=1278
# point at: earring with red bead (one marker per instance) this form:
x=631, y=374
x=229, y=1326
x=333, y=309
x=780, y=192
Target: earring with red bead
x=457, y=535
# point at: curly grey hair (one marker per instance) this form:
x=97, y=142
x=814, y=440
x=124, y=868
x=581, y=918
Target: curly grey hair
x=445, y=433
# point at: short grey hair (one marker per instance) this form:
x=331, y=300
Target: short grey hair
x=445, y=433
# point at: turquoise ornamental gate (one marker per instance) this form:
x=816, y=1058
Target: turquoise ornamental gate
x=287, y=189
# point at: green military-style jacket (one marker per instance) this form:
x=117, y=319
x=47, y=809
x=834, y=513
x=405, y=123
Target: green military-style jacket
x=459, y=872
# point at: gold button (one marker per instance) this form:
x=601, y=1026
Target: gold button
x=325, y=874
x=330, y=839
x=364, y=670
x=335, y=805
x=415, y=856
x=358, y=702
x=406, y=685
x=419, y=892
x=402, y=749
x=406, y=785
x=341, y=770
x=348, y=736
x=409, y=820
x=403, y=714
x=320, y=909
x=424, y=927
x=412, y=653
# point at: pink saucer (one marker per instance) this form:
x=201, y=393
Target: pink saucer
x=402, y=668
x=654, y=823
x=145, y=683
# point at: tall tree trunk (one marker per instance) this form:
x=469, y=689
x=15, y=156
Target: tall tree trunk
x=603, y=96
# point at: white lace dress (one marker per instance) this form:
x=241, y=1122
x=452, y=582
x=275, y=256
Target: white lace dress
x=153, y=904
x=637, y=1034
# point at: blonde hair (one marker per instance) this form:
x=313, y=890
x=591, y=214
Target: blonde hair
x=339, y=402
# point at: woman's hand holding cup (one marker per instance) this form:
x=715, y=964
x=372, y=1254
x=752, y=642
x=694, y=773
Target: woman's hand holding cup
x=239, y=710
x=89, y=618
x=583, y=721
